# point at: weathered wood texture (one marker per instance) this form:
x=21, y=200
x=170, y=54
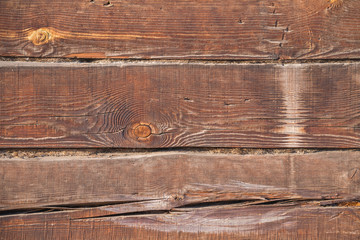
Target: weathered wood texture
x=187, y=177
x=182, y=195
x=236, y=222
x=178, y=105
x=228, y=29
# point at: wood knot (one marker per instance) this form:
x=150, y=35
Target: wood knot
x=142, y=131
x=40, y=36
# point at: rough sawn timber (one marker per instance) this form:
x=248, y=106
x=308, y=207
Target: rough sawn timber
x=181, y=29
x=162, y=104
x=181, y=195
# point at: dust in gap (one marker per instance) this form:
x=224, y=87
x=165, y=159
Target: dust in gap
x=111, y=152
x=173, y=61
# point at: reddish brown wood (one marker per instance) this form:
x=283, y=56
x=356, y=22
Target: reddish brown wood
x=156, y=105
x=187, y=177
x=181, y=195
x=236, y=222
x=228, y=29
x=184, y=194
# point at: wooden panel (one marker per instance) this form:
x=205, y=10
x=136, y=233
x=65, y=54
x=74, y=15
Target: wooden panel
x=188, y=195
x=236, y=222
x=228, y=29
x=185, y=177
x=161, y=104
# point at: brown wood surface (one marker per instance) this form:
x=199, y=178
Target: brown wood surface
x=181, y=195
x=193, y=122
x=185, y=176
x=162, y=104
x=223, y=222
x=227, y=29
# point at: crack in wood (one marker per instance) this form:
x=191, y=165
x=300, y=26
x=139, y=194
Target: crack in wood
x=181, y=205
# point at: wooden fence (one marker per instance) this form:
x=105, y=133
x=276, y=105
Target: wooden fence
x=184, y=119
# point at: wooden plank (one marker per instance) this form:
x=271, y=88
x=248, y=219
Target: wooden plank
x=160, y=104
x=181, y=195
x=228, y=29
x=234, y=222
x=185, y=177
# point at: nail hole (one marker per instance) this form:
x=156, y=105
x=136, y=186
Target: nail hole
x=228, y=104
x=108, y=4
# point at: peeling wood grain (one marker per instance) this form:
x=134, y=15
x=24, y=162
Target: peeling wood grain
x=180, y=178
x=181, y=195
x=289, y=29
x=225, y=222
x=227, y=196
x=157, y=105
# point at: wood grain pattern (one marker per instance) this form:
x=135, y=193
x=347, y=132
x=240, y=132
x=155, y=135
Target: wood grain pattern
x=156, y=105
x=228, y=29
x=260, y=222
x=181, y=195
x=185, y=177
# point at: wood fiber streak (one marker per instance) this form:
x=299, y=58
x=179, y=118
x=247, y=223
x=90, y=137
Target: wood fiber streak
x=182, y=195
x=179, y=105
x=181, y=29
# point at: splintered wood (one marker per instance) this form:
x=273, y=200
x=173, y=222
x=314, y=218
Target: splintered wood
x=181, y=195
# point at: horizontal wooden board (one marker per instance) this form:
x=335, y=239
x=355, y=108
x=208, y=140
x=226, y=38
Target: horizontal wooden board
x=161, y=104
x=227, y=29
x=186, y=177
x=181, y=195
x=227, y=222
